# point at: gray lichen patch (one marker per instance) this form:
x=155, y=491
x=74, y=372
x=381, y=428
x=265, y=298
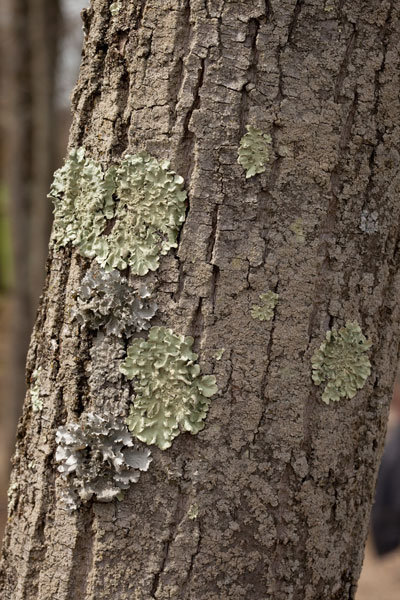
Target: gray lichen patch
x=106, y=300
x=82, y=196
x=36, y=400
x=254, y=150
x=342, y=362
x=170, y=395
x=149, y=214
x=265, y=310
x=98, y=459
x=369, y=222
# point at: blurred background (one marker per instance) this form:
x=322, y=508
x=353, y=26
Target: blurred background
x=40, y=43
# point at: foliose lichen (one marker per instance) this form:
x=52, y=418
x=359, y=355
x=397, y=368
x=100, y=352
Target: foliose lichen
x=254, y=151
x=36, y=400
x=341, y=362
x=149, y=214
x=106, y=300
x=265, y=310
x=98, y=459
x=82, y=196
x=170, y=395
x=145, y=199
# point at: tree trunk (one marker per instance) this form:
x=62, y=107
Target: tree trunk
x=272, y=498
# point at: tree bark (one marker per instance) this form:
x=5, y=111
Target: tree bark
x=283, y=482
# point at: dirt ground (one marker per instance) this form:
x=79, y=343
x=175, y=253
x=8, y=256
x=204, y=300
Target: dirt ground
x=380, y=577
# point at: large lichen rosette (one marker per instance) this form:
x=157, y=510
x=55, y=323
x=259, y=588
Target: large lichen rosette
x=341, y=362
x=170, y=394
x=98, y=459
x=254, y=151
x=83, y=201
x=148, y=216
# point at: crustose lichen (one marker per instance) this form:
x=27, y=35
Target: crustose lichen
x=106, y=300
x=98, y=459
x=170, y=395
x=342, y=362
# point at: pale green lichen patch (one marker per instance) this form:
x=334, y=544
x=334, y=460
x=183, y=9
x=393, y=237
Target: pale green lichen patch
x=193, y=511
x=170, y=394
x=297, y=228
x=218, y=354
x=254, y=151
x=149, y=214
x=143, y=196
x=82, y=196
x=341, y=362
x=115, y=7
x=36, y=400
x=265, y=310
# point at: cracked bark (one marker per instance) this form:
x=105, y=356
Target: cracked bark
x=283, y=483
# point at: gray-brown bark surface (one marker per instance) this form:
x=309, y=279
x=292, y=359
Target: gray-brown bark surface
x=283, y=482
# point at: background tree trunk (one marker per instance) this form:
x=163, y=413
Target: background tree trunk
x=29, y=46
x=283, y=482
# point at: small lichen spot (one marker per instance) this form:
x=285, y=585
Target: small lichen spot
x=341, y=362
x=297, y=228
x=218, y=354
x=265, y=310
x=254, y=151
x=115, y=7
x=36, y=400
x=369, y=222
x=193, y=511
x=170, y=396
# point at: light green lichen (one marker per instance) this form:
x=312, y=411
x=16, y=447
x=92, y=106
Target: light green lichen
x=143, y=196
x=297, y=228
x=82, y=196
x=115, y=7
x=254, y=151
x=265, y=310
x=341, y=362
x=218, y=354
x=36, y=400
x=170, y=395
x=193, y=511
x=149, y=214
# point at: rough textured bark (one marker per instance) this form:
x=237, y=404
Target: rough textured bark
x=283, y=482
